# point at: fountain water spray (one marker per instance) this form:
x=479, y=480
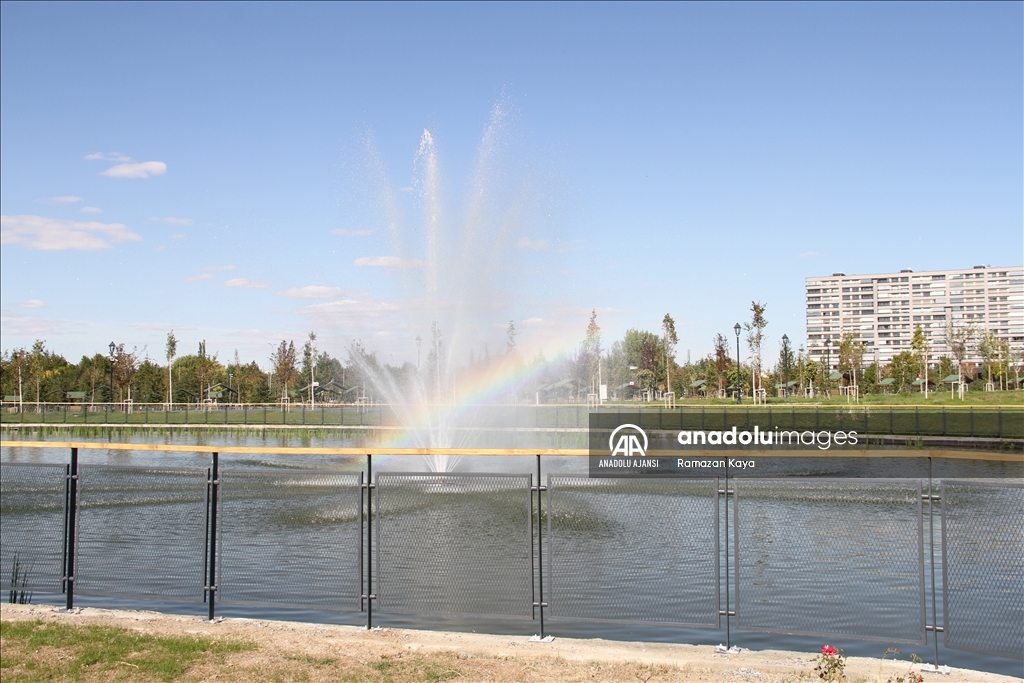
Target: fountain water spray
x=451, y=263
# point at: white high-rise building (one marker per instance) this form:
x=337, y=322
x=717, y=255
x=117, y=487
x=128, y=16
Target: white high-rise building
x=883, y=309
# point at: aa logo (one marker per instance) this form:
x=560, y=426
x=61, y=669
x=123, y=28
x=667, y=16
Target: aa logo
x=627, y=443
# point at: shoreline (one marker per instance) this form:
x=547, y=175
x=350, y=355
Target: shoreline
x=483, y=656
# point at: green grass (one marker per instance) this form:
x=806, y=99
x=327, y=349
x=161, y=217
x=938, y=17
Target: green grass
x=42, y=651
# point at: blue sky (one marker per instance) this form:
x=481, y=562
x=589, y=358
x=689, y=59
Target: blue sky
x=650, y=158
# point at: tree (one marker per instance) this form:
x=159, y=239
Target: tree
x=958, y=338
x=283, y=362
x=591, y=350
x=668, y=327
x=919, y=343
x=309, y=362
x=126, y=364
x=851, y=355
x=649, y=358
x=904, y=368
x=1005, y=355
x=988, y=348
x=171, y=350
x=812, y=372
x=784, y=367
x=16, y=367
x=150, y=382
x=721, y=359
x=511, y=337
x=755, y=339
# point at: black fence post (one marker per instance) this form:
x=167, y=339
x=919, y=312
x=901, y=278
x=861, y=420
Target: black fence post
x=71, y=522
x=727, y=612
x=540, y=604
x=211, y=588
x=934, y=627
x=370, y=597
x=362, y=535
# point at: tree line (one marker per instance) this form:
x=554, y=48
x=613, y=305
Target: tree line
x=642, y=361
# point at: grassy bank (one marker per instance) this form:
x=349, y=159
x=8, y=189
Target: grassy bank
x=41, y=643
x=38, y=651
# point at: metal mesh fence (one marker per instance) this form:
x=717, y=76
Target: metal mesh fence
x=141, y=531
x=802, y=567
x=455, y=543
x=983, y=566
x=633, y=550
x=32, y=507
x=289, y=537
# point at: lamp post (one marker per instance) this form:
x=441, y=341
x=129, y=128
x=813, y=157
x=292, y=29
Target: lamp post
x=828, y=367
x=113, y=348
x=739, y=392
x=785, y=366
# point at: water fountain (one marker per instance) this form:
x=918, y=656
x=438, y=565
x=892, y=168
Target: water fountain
x=454, y=266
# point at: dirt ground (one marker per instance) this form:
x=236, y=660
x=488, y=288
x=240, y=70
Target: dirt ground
x=288, y=651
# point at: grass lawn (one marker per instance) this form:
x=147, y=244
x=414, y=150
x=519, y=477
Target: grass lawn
x=38, y=651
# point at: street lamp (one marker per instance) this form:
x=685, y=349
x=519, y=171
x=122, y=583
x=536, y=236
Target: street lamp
x=785, y=365
x=828, y=367
x=739, y=392
x=113, y=348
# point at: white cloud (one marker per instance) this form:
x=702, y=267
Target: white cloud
x=198, y=277
x=533, y=245
x=312, y=292
x=33, y=303
x=357, y=311
x=246, y=283
x=388, y=262
x=142, y=169
x=351, y=233
x=91, y=209
x=171, y=220
x=51, y=234
x=178, y=236
x=64, y=199
x=532, y=322
x=107, y=156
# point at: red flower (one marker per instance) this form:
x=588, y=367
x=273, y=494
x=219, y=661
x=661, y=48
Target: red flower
x=828, y=651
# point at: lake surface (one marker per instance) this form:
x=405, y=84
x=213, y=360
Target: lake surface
x=627, y=559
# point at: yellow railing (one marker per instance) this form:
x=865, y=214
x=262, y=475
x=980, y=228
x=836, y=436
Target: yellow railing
x=863, y=452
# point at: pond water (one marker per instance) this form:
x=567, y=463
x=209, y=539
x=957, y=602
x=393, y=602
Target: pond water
x=627, y=559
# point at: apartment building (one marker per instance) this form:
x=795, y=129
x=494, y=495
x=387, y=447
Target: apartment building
x=883, y=309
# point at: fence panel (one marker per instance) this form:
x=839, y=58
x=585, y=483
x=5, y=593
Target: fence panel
x=141, y=531
x=289, y=538
x=453, y=543
x=983, y=566
x=633, y=550
x=830, y=558
x=32, y=533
